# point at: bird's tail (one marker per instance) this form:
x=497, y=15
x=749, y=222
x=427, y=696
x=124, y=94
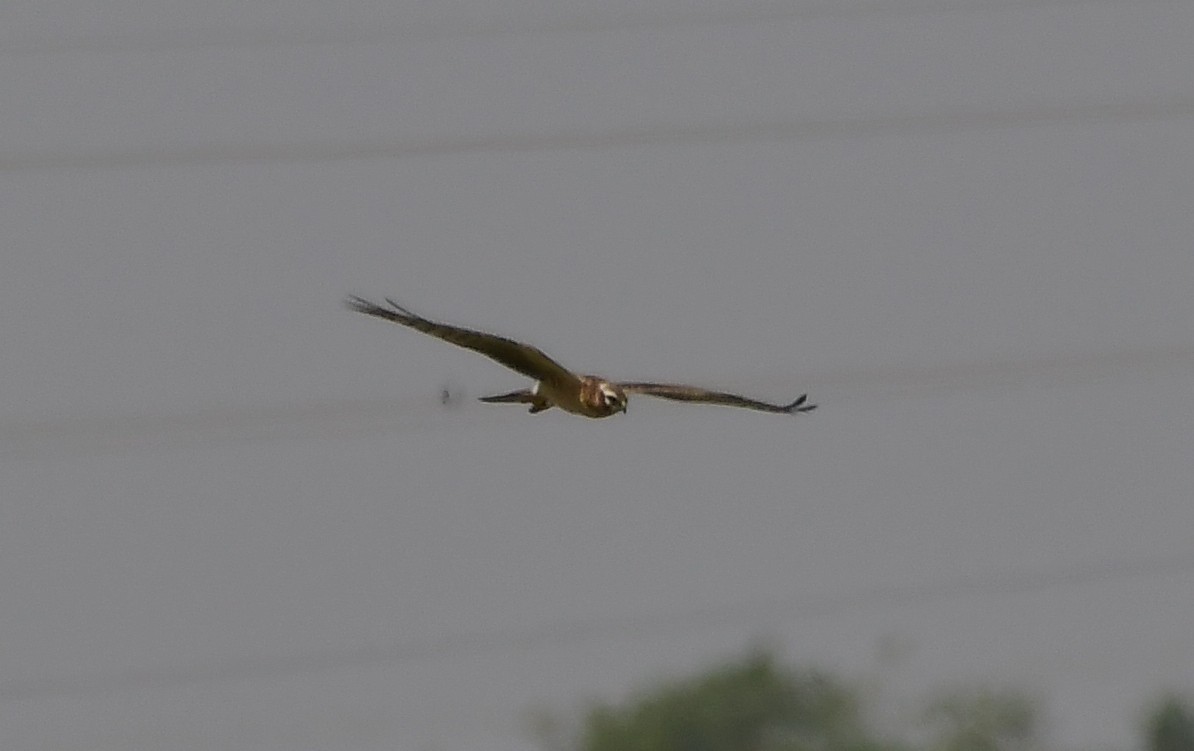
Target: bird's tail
x=522, y=396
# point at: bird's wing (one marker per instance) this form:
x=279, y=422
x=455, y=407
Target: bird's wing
x=523, y=358
x=682, y=393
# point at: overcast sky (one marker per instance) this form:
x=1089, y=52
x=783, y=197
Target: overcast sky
x=234, y=514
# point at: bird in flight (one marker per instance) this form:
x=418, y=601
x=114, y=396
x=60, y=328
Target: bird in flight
x=555, y=385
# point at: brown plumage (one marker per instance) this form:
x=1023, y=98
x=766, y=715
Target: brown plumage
x=555, y=385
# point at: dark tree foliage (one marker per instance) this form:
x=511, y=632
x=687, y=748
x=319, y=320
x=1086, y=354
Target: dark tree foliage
x=1170, y=726
x=752, y=704
x=755, y=703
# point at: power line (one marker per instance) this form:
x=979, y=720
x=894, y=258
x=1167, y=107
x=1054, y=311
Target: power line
x=538, y=25
x=1003, y=583
x=218, y=426
x=999, y=373
x=67, y=437
x=1029, y=115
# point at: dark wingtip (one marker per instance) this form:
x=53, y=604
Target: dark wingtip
x=799, y=405
x=359, y=304
x=400, y=309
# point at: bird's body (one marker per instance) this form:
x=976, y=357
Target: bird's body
x=591, y=398
x=555, y=385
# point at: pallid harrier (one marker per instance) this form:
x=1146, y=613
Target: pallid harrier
x=555, y=385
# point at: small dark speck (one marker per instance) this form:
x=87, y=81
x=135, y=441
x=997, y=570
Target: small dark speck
x=451, y=395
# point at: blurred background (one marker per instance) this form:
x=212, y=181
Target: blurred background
x=234, y=514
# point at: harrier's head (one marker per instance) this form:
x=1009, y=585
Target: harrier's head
x=612, y=397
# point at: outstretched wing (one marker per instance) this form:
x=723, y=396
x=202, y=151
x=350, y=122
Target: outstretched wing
x=517, y=356
x=682, y=393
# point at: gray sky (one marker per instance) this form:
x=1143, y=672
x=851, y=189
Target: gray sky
x=235, y=515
